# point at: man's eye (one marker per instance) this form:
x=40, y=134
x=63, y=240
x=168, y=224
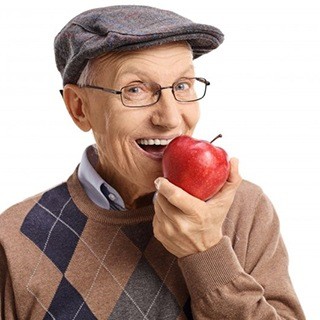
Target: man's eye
x=134, y=90
x=182, y=86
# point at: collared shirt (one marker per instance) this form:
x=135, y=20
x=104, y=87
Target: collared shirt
x=97, y=189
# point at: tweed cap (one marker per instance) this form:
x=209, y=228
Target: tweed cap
x=125, y=28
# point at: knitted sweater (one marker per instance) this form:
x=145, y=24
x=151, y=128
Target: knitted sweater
x=63, y=257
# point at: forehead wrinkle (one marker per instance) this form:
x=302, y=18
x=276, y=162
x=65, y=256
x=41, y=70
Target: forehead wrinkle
x=153, y=72
x=132, y=72
x=126, y=64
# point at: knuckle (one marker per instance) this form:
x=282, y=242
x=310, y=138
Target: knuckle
x=175, y=195
x=163, y=230
x=220, y=202
x=194, y=209
x=207, y=220
x=182, y=228
x=168, y=230
x=157, y=235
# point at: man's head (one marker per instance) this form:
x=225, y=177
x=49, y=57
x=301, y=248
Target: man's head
x=125, y=28
x=133, y=100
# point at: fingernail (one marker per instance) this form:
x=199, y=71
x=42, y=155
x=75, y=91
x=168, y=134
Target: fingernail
x=235, y=160
x=154, y=197
x=157, y=183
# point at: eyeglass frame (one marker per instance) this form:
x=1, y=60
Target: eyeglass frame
x=119, y=92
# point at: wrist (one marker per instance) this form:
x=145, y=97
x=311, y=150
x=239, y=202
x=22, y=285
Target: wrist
x=205, y=271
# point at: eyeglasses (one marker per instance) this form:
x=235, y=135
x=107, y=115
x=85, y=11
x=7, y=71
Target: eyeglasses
x=145, y=94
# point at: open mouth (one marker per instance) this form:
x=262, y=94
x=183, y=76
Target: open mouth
x=153, y=148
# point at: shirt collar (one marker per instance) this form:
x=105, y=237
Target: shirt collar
x=92, y=181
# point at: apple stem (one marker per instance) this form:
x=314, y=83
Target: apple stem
x=218, y=136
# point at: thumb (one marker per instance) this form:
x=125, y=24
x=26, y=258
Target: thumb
x=175, y=195
x=164, y=186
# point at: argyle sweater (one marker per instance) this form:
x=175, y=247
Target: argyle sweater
x=63, y=257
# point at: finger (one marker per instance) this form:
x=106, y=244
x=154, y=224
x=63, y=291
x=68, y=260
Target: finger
x=156, y=225
x=234, y=178
x=157, y=207
x=166, y=209
x=232, y=184
x=177, y=196
x=162, y=226
x=234, y=175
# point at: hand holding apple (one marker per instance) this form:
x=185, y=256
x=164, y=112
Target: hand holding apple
x=196, y=166
x=185, y=224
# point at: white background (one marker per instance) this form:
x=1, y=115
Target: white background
x=264, y=99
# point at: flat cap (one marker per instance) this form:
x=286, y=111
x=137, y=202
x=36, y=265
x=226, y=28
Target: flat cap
x=125, y=28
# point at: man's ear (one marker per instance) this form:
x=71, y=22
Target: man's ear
x=74, y=100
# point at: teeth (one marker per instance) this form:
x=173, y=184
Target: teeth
x=157, y=142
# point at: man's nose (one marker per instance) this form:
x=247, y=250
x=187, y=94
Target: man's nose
x=167, y=113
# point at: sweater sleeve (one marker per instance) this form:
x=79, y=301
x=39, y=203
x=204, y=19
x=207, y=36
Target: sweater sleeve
x=7, y=305
x=258, y=288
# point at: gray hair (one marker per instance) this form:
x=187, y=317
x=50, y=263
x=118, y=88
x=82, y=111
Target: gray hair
x=87, y=76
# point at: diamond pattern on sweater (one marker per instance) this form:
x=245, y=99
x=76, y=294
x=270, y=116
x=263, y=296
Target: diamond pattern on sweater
x=54, y=224
x=145, y=297
x=68, y=304
x=58, y=228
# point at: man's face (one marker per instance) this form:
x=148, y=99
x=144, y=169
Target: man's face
x=118, y=130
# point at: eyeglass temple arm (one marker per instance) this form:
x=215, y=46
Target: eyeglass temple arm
x=103, y=89
x=98, y=88
x=203, y=80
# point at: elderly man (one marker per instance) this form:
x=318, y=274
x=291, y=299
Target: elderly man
x=104, y=245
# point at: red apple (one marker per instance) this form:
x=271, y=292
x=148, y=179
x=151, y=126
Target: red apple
x=196, y=166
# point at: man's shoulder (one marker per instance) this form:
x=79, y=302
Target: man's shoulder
x=19, y=209
x=245, y=210
x=15, y=215
x=247, y=199
x=248, y=191
x=251, y=202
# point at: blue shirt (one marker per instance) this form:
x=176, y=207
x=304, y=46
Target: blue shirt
x=97, y=189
